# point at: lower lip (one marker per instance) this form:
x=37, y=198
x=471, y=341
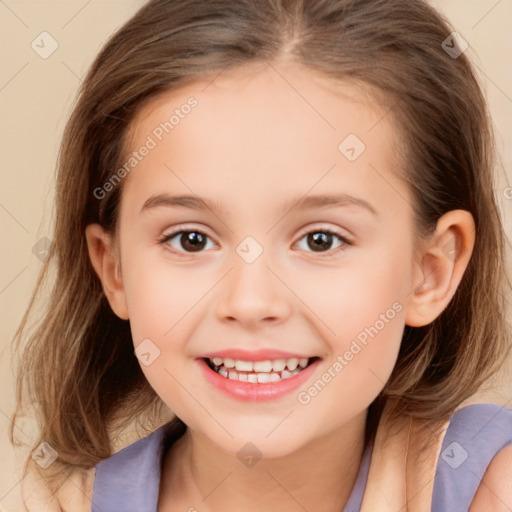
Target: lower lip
x=256, y=392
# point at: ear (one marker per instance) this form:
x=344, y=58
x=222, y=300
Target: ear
x=104, y=259
x=443, y=262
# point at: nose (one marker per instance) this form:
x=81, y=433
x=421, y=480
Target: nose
x=253, y=294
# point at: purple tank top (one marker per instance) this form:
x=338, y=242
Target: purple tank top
x=129, y=480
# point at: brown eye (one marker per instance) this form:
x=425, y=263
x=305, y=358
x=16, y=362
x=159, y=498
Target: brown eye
x=192, y=241
x=186, y=241
x=319, y=241
x=322, y=241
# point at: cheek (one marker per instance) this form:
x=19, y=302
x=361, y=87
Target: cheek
x=362, y=315
x=159, y=294
x=161, y=302
x=355, y=296
x=363, y=353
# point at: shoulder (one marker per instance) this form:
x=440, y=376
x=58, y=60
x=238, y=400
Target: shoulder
x=129, y=480
x=474, y=460
x=495, y=491
x=74, y=495
x=130, y=474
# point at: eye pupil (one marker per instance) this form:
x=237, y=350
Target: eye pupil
x=321, y=240
x=192, y=240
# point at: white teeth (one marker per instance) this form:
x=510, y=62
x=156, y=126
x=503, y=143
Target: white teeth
x=285, y=374
x=259, y=371
x=228, y=363
x=267, y=366
x=262, y=366
x=279, y=365
x=292, y=364
x=263, y=378
x=243, y=366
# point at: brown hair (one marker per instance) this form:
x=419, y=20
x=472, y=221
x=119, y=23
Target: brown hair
x=78, y=364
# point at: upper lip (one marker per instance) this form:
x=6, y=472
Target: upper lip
x=254, y=355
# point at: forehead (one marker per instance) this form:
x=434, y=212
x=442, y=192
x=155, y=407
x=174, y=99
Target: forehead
x=274, y=96
x=266, y=129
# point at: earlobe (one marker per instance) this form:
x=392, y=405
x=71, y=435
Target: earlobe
x=442, y=266
x=105, y=261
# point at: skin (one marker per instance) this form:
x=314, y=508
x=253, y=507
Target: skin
x=254, y=143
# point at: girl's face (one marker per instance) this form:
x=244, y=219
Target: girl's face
x=294, y=242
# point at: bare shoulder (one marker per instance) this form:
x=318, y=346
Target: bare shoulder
x=74, y=495
x=495, y=490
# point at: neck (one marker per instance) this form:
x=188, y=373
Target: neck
x=200, y=477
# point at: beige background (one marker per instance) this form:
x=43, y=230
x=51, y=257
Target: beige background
x=36, y=95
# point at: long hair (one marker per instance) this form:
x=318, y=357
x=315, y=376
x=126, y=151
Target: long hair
x=77, y=366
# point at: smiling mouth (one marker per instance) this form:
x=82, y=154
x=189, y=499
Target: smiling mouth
x=260, y=372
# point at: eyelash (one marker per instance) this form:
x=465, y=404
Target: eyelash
x=346, y=241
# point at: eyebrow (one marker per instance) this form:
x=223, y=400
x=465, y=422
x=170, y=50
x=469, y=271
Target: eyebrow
x=301, y=203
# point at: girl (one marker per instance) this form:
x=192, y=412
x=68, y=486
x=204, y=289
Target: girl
x=276, y=219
